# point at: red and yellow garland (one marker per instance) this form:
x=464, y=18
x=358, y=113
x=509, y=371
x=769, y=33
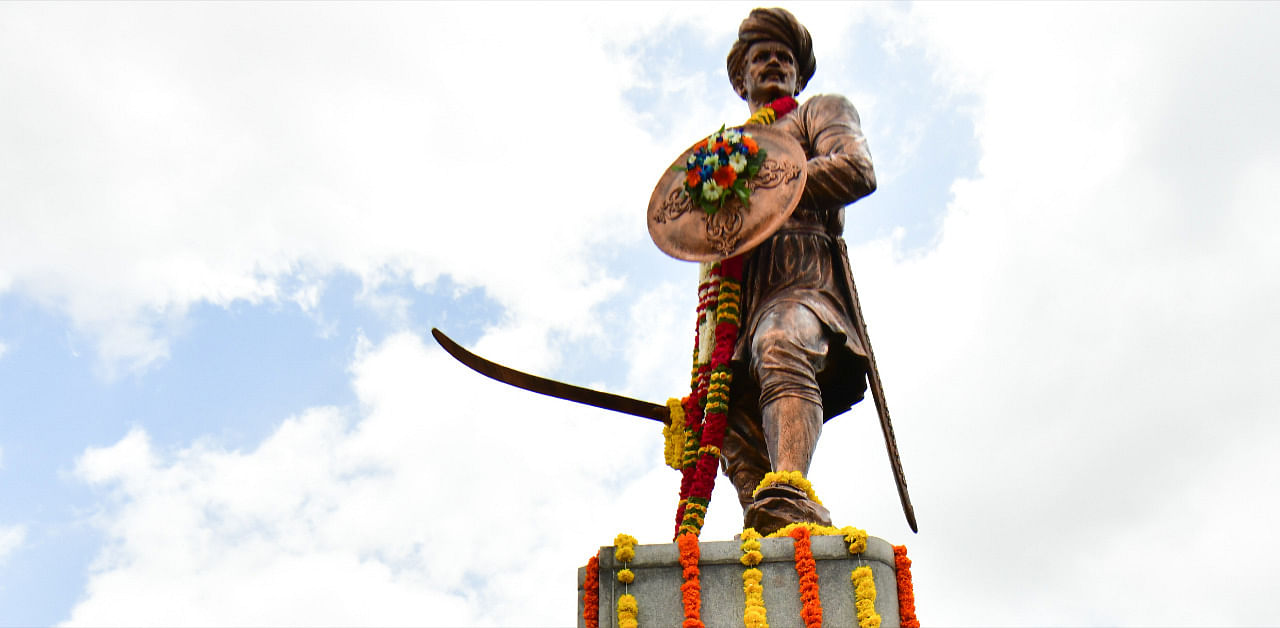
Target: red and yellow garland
x=706, y=410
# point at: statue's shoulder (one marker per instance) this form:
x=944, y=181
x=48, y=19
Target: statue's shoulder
x=828, y=107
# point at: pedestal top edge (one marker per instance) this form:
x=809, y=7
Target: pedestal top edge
x=774, y=550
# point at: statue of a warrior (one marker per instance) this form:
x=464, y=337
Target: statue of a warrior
x=798, y=360
x=780, y=348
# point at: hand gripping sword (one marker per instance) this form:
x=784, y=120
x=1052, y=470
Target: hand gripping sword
x=647, y=410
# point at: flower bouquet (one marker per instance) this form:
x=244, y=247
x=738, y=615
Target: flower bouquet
x=719, y=168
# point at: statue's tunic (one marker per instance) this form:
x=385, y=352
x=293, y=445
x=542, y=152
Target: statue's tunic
x=805, y=262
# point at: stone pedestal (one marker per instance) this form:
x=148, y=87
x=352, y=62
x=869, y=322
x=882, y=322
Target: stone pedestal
x=658, y=580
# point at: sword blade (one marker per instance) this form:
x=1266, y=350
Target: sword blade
x=551, y=387
x=877, y=393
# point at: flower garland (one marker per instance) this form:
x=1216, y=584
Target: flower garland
x=699, y=379
x=711, y=397
x=855, y=537
x=807, y=570
x=794, y=478
x=754, y=615
x=591, y=593
x=864, y=595
x=628, y=608
x=906, y=593
x=674, y=435
x=691, y=589
x=700, y=421
x=772, y=111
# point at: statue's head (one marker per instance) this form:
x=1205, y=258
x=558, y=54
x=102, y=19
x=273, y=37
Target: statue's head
x=773, y=56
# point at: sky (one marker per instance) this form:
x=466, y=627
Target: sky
x=226, y=230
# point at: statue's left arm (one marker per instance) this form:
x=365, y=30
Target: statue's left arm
x=839, y=170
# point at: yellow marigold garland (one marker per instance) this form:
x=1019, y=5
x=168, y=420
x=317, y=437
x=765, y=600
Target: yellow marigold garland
x=794, y=478
x=628, y=608
x=754, y=614
x=762, y=116
x=864, y=595
x=674, y=435
x=856, y=538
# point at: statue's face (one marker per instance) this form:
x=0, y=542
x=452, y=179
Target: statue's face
x=770, y=72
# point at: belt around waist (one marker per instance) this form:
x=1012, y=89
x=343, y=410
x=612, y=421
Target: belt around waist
x=803, y=230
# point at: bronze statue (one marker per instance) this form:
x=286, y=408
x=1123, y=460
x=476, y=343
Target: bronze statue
x=802, y=355
x=799, y=358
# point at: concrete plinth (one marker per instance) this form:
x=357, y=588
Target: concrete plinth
x=658, y=580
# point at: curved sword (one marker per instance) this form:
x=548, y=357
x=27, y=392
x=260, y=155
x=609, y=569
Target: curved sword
x=551, y=387
x=877, y=393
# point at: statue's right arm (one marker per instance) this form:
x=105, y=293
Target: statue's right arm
x=840, y=171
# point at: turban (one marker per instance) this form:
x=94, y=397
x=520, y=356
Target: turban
x=772, y=25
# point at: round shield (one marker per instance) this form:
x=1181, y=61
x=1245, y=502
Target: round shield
x=683, y=230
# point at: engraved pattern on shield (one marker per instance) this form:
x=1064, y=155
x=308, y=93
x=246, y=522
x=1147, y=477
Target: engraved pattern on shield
x=674, y=206
x=683, y=230
x=773, y=173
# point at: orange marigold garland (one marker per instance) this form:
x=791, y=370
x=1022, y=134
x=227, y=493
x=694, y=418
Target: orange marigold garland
x=807, y=570
x=591, y=593
x=906, y=594
x=691, y=590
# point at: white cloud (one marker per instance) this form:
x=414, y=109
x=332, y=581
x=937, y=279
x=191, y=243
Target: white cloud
x=4, y=348
x=1080, y=370
x=11, y=538
x=409, y=141
x=461, y=502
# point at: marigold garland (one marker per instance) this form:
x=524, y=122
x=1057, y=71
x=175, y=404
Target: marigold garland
x=772, y=111
x=628, y=608
x=754, y=614
x=703, y=415
x=906, y=593
x=794, y=478
x=674, y=434
x=627, y=611
x=807, y=570
x=708, y=422
x=591, y=593
x=691, y=589
x=864, y=595
x=856, y=538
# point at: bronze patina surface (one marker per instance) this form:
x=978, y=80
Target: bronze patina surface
x=684, y=231
x=803, y=355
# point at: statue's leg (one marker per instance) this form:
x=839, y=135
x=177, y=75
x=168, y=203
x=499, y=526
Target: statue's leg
x=745, y=456
x=788, y=351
